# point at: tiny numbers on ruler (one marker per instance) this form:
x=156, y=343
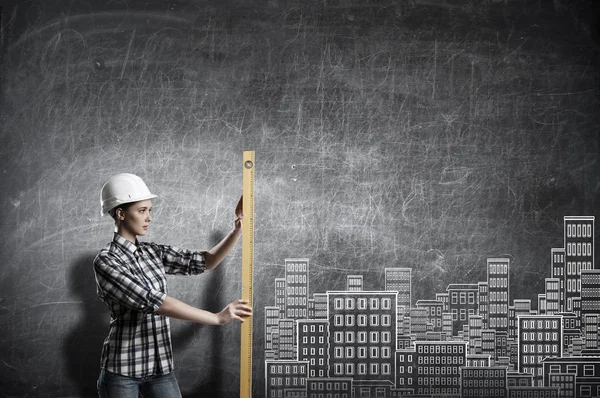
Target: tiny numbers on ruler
x=247, y=264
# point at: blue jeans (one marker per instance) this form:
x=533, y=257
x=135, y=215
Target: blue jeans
x=111, y=385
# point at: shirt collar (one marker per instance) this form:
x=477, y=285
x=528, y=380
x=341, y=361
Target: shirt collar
x=125, y=244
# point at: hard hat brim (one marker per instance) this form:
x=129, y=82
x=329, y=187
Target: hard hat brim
x=116, y=203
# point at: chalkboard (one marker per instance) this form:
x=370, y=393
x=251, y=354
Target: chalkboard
x=418, y=134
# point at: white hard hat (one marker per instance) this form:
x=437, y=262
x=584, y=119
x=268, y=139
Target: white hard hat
x=123, y=188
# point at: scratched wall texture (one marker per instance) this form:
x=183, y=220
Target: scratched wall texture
x=423, y=134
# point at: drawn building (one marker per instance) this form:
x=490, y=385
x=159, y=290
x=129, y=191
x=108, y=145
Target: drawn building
x=519, y=307
x=400, y=280
x=590, y=331
x=502, y=345
x=579, y=254
x=443, y=298
x=541, y=304
x=272, y=314
x=590, y=299
x=418, y=323
x=285, y=378
x=296, y=289
x=540, y=336
x=287, y=339
x=558, y=272
x=280, y=296
x=533, y=392
x=571, y=331
x=372, y=388
x=447, y=323
x=565, y=382
x=512, y=322
x=478, y=361
x=405, y=376
x=498, y=293
x=320, y=305
x=354, y=283
x=552, y=294
x=311, y=308
x=488, y=343
x=312, y=346
x=438, y=366
x=475, y=334
x=580, y=376
x=483, y=307
x=362, y=334
x=517, y=379
x=483, y=382
x=320, y=387
x=463, y=302
x=434, y=311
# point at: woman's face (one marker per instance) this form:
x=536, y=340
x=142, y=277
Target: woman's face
x=135, y=219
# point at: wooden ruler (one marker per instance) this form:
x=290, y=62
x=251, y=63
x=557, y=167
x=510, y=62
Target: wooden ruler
x=247, y=265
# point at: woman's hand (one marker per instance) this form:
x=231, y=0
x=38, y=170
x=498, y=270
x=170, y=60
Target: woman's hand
x=239, y=215
x=237, y=310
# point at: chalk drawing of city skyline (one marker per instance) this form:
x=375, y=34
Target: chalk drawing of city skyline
x=468, y=341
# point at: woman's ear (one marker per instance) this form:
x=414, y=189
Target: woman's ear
x=119, y=214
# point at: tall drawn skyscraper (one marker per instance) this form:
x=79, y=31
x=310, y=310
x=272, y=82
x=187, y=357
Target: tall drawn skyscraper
x=483, y=303
x=579, y=254
x=280, y=296
x=400, y=280
x=296, y=278
x=558, y=272
x=552, y=288
x=498, y=293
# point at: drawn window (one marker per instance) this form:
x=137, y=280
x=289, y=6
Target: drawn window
x=349, y=352
x=471, y=298
x=339, y=304
x=350, y=303
x=386, y=304
x=585, y=391
x=338, y=369
x=374, y=320
x=374, y=304
x=385, y=337
x=374, y=368
x=350, y=337
x=349, y=368
x=362, y=352
x=385, y=320
x=362, y=303
x=362, y=337
x=374, y=337
x=349, y=320
x=362, y=320
x=362, y=369
x=338, y=337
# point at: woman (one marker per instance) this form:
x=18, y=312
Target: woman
x=130, y=278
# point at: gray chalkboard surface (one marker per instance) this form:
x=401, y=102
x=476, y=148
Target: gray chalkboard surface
x=419, y=134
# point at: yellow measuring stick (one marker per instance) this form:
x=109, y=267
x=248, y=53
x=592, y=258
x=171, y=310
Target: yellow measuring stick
x=247, y=264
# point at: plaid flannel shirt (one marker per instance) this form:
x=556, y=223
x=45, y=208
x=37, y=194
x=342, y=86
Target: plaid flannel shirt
x=131, y=281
